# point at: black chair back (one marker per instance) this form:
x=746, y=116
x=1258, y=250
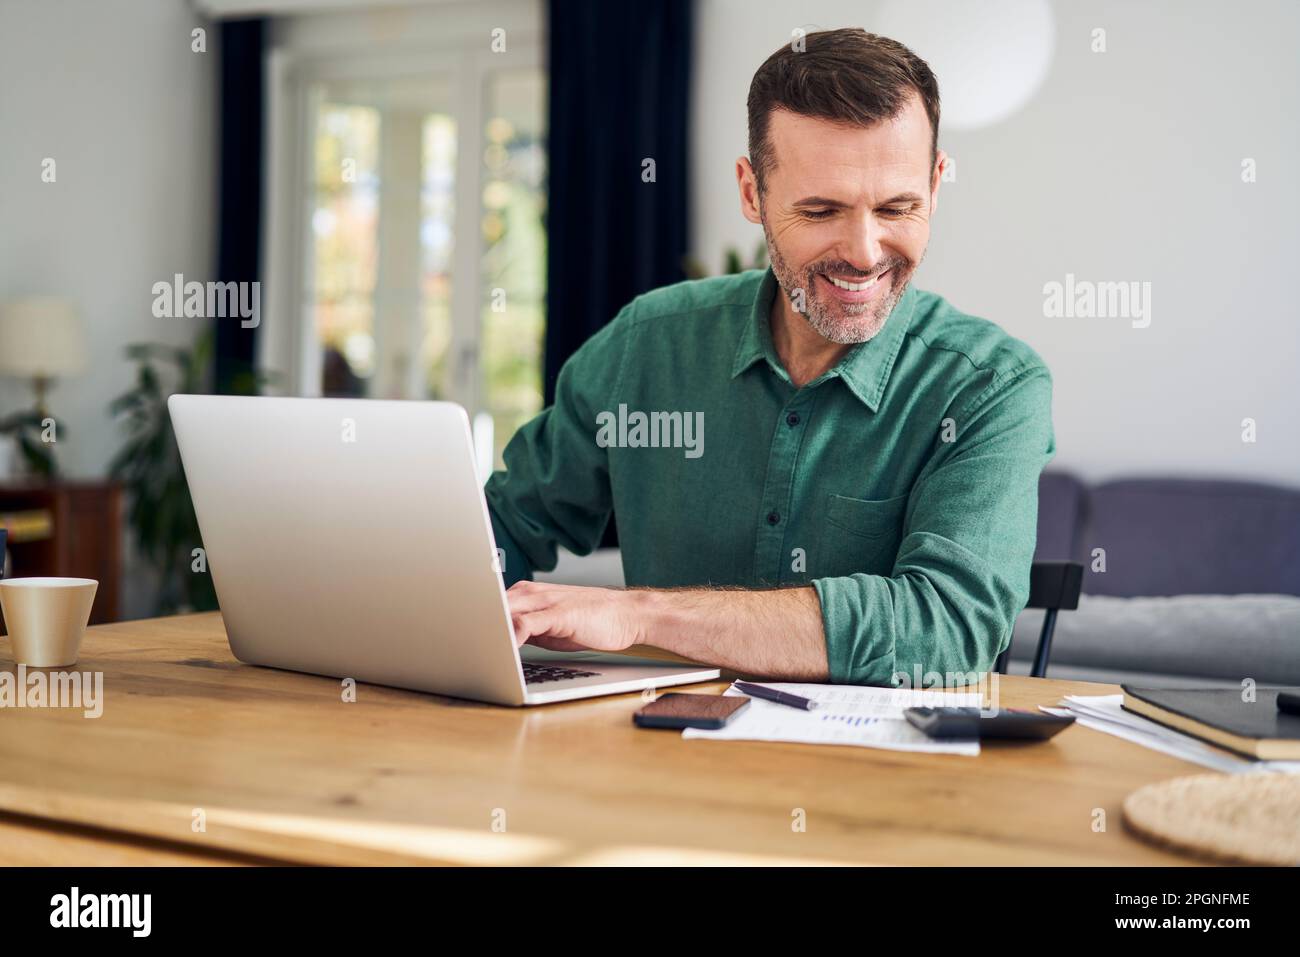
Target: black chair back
x=1053, y=586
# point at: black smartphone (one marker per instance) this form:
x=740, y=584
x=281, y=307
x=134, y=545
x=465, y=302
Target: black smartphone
x=707, y=711
x=973, y=723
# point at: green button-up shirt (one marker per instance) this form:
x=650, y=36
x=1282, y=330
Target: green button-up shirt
x=902, y=484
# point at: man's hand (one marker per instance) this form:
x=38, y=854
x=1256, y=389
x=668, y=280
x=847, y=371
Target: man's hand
x=575, y=618
x=762, y=633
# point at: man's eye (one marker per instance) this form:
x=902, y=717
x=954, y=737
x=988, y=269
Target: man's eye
x=894, y=212
x=818, y=213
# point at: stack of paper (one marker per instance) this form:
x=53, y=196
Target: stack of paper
x=845, y=714
x=1106, y=713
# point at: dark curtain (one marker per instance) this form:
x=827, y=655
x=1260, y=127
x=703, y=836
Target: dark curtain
x=619, y=87
x=240, y=198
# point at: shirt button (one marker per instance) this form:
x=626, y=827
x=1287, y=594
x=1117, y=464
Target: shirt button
x=792, y=419
x=773, y=518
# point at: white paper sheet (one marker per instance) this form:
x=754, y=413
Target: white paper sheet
x=1106, y=713
x=847, y=715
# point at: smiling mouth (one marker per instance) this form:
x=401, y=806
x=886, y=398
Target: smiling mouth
x=855, y=290
x=854, y=286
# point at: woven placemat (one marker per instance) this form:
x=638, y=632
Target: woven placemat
x=1237, y=818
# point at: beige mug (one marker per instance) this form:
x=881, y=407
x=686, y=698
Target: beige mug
x=46, y=618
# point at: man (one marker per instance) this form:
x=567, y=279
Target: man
x=865, y=505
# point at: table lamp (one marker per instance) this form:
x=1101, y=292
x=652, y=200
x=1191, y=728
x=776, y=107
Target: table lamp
x=41, y=338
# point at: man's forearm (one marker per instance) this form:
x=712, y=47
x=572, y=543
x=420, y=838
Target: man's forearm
x=763, y=633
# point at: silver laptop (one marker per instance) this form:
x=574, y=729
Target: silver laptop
x=350, y=537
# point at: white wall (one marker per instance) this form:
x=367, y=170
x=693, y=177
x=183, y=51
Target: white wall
x=110, y=91
x=1125, y=165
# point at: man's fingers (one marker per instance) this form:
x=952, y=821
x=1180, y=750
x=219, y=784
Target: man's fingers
x=533, y=598
x=530, y=625
x=526, y=626
x=528, y=602
x=550, y=616
x=557, y=644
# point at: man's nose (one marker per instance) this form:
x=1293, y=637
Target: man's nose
x=861, y=245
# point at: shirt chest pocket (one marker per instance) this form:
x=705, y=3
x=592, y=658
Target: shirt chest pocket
x=860, y=535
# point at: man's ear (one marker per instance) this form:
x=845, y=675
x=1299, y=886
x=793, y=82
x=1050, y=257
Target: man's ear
x=941, y=163
x=750, y=207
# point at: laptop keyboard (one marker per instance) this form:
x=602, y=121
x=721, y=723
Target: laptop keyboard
x=535, y=673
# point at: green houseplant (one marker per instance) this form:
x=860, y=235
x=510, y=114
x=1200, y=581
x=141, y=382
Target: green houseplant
x=159, y=509
x=732, y=262
x=26, y=428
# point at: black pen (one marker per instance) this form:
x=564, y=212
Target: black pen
x=780, y=697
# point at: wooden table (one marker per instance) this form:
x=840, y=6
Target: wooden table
x=279, y=768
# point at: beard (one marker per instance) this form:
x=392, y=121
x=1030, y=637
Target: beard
x=840, y=322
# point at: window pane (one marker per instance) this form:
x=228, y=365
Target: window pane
x=380, y=207
x=437, y=209
x=514, y=249
x=344, y=219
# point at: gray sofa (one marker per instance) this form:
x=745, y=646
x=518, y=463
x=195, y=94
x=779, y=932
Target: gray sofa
x=1201, y=585
x=1201, y=581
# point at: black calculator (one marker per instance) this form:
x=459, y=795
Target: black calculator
x=1010, y=723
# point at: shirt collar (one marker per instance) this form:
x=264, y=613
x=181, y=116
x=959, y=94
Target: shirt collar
x=864, y=369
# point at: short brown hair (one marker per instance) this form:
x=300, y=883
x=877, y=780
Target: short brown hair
x=849, y=75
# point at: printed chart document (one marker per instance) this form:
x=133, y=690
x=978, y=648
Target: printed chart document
x=846, y=714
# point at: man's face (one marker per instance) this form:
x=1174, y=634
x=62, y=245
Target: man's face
x=846, y=211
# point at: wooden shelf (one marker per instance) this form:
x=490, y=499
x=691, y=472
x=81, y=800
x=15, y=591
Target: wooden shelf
x=86, y=539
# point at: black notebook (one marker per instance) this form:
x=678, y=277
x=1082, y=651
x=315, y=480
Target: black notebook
x=1220, y=716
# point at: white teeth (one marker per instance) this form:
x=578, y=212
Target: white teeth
x=854, y=286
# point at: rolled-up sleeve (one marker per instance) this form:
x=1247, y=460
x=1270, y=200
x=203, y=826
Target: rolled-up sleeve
x=555, y=488
x=961, y=575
